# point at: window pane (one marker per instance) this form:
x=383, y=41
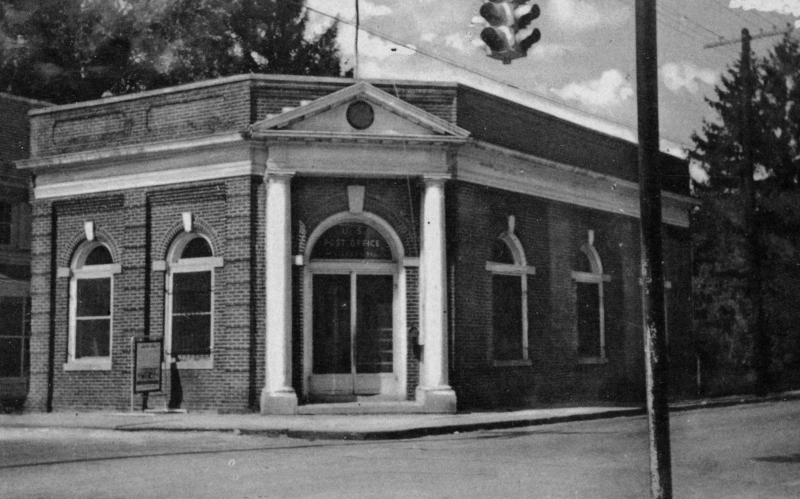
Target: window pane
x=94, y=297
x=5, y=223
x=92, y=338
x=11, y=316
x=10, y=357
x=331, y=326
x=374, y=323
x=588, y=309
x=501, y=253
x=191, y=292
x=507, y=317
x=99, y=256
x=191, y=334
x=197, y=248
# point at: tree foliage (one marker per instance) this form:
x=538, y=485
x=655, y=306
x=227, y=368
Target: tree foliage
x=724, y=304
x=71, y=50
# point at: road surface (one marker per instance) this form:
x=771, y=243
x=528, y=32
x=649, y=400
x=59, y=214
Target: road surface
x=747, y=451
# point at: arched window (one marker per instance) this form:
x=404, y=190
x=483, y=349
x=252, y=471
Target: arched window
x=190, y=300
x=510, y=271
x=589, y=307
x=91, y=307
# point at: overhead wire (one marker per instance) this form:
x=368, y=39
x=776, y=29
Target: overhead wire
x=735, y=12
x=474, y=71
x=670, y=18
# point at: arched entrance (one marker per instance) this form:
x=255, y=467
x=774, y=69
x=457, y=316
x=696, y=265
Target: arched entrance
x=354, y=310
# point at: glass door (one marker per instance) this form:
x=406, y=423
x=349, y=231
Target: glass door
x=352, y=333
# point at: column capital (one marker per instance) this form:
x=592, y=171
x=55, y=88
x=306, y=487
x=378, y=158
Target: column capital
x=436, y=178
x=279, y=176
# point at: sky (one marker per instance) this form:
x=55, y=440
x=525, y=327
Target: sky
x=583, y=69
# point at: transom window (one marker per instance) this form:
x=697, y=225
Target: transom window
x=190, y=300
x=510, y=271
x=589, y=306
x=91, y=306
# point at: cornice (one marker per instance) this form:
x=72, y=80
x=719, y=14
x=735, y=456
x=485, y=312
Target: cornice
x=356, y=138
x=615, y=181
x=501, y=168
x=128, y=152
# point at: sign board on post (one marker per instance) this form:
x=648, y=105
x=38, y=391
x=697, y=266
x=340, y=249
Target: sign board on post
x=147, y=361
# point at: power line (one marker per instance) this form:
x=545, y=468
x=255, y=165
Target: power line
x=468, y=69
x=735, y=12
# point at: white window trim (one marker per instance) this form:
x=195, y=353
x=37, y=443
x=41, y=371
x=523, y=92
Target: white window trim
x=519, y=268
x=76, y=272
x=596, y=276
x=394, y=267
x=174, y=265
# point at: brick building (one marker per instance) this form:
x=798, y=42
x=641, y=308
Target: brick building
x=15, y=258
x=301, y=241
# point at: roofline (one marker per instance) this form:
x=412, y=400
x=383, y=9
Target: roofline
x=32, y=102
x=591, y=122
x=573, y=116
x=233, y=79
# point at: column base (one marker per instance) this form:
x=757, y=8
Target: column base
x=284, y=403
x=437, y=400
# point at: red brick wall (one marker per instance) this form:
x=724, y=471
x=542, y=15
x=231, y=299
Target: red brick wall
x=139, y=225
x=189, y=111
x=552, y=234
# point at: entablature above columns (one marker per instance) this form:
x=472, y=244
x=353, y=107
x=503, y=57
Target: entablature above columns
x=501, y=168
x=363, y=158
x=146, y=165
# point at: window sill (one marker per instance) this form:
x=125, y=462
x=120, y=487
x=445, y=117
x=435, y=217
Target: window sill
x=513, y=363
x=593, y=360
x=103, y=364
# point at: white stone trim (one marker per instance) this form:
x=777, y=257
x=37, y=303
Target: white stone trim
x=368, y=93
x=175, y=265
x=521, y=269
x=507, y=169
x=149, y=179
x=596, y=276
x=76, y=272
x=121, y=153
x=278, y=395
x=353, y=268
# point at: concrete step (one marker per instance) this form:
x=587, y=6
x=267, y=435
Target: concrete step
x=362, y=407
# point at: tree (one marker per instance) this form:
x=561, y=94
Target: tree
x=72, y=50
x=747, y=232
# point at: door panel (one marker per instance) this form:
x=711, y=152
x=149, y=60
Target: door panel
x=331, y=330
x=352, y=334
x=374, y=324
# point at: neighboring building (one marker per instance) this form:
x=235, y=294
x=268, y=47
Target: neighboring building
x=15, y=255
x=298, y=240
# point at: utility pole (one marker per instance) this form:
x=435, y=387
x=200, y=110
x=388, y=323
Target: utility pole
x=358, y=27
x=760, y=335
x=656, y=366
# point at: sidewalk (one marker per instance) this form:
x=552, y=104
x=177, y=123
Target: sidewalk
x=350, y=427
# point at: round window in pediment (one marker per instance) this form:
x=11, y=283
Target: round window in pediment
x=360, y=115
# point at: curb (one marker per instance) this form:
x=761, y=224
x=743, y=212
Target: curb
x=445, y=429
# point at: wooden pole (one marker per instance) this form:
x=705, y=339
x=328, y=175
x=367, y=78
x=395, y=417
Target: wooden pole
x=652, y=253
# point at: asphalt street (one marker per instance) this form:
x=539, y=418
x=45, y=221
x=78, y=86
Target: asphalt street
x=747, y=451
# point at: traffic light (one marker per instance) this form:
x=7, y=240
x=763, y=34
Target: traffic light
x=507, y=33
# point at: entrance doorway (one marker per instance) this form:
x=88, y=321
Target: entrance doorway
x=353, y=333
x=353, y=314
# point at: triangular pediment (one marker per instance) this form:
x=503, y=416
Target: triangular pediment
x=337, y=114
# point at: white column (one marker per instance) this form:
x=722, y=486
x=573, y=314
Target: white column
x=278, y=396
x=434, y=391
